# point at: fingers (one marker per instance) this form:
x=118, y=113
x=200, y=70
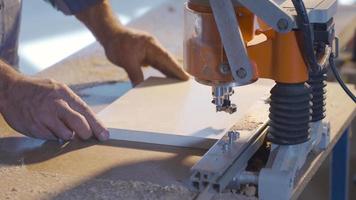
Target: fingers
x=41, y=132
x=97, y=128
x=135, y=74
x=59, y=129
x=48, y=125
x=74, y=121
x=36, y=126
x=160, y=59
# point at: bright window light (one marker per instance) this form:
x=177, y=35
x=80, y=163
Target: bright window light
x=39, y=54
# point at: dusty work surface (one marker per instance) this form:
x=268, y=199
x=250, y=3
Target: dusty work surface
x=34, y=169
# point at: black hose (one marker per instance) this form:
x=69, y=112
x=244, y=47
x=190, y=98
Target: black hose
x=339, y=79
x=308, y=35
x=309, y=54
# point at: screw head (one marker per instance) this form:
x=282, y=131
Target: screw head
x=282, y=24
x=241, y=73
x=224, y=69
x=233, y=134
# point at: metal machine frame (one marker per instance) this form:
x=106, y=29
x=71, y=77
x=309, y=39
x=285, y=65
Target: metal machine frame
x=224, y=165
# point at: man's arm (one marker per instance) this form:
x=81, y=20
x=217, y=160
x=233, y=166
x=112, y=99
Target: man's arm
x=49, y=110
x=44, y=108
x=128, y=48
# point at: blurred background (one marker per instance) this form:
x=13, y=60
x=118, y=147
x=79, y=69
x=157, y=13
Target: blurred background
x=45, y=29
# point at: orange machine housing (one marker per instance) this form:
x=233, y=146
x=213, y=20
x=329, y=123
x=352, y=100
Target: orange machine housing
x=277, y=55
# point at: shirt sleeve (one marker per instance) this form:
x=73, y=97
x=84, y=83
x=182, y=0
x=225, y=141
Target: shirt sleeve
x=70, y=7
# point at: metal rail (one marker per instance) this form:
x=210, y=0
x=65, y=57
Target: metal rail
x=210, y=186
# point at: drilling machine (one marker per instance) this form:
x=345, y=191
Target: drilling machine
x=230, y=43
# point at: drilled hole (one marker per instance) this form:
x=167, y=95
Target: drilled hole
x=216, y=187
x=197, y=175
x=206, y=176
x=205, y=184
x=196, y=185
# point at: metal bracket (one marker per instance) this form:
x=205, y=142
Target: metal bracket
x=234, y=45
x=278, y=179
x=229, y=156
x=271, y=13
x=224, y=160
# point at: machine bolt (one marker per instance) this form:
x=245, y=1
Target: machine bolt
x=233, y=136
x=224, y=69
x=241, y=73
x=283, y=24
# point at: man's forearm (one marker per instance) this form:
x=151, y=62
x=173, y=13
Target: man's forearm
x=8, y=77
x=101, y=20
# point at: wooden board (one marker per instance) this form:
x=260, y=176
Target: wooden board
x=168, y=112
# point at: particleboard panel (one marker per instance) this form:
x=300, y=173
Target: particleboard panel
x=168, y=112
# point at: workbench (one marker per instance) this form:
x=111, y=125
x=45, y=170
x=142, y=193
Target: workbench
x=36, y=169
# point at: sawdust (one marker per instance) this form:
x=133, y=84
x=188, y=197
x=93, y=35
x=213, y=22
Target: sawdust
x=25, y=184
x=247, y=124
x=138, y=190
x=108, y=190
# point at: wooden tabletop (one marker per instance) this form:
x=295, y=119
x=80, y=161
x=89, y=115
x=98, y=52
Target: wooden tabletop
x=35, y=169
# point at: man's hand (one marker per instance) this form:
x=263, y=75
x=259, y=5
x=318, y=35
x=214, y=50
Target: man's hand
x=131, y=50
x=46, y=109
x=128, y=48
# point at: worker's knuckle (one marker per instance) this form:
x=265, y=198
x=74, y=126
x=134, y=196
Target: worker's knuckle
x=62, y=85
x=80, y=119
x=67, y=135
x=86, y=111
x=60, y=103
x=78, y=101
x=75, y=119
x=86, y=136
x=150, y=38
x=59, y=106
x=60, y=94
x=62, y=88
x=50, y=81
